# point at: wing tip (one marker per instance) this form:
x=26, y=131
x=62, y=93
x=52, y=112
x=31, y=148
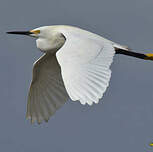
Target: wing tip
x=33, y=121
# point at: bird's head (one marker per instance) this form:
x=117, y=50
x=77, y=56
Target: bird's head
x=49, y=38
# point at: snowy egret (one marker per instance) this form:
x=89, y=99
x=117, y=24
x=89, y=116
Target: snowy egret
x=76, y=64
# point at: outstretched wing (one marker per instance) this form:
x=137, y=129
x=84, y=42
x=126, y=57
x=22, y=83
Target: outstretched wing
x=85, y=65
x=47, y=92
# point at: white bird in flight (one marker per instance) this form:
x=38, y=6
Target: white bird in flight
x=76, y=64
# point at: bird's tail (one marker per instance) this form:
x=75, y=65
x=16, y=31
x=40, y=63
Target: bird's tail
x=148, y=56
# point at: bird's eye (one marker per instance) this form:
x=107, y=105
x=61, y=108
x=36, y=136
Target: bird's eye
x=35, y=31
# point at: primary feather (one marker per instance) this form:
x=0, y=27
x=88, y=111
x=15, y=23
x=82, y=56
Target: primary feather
x=85, y=60
x=47, y=92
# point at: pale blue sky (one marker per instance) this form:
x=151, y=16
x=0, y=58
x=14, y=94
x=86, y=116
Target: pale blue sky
x=123, y=123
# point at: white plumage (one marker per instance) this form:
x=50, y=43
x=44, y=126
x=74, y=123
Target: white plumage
x=85, y=67
x=76, y=64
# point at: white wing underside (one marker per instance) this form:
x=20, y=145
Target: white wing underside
x=47, y=92
x=85, y=65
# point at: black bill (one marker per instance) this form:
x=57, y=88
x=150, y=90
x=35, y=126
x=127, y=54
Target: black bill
x=20, y=32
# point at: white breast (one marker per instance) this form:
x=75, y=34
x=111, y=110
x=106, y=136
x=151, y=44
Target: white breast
x=43, y=44
x=52, y=42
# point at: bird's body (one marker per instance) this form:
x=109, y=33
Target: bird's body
x=55, y=40
x=76, y=64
